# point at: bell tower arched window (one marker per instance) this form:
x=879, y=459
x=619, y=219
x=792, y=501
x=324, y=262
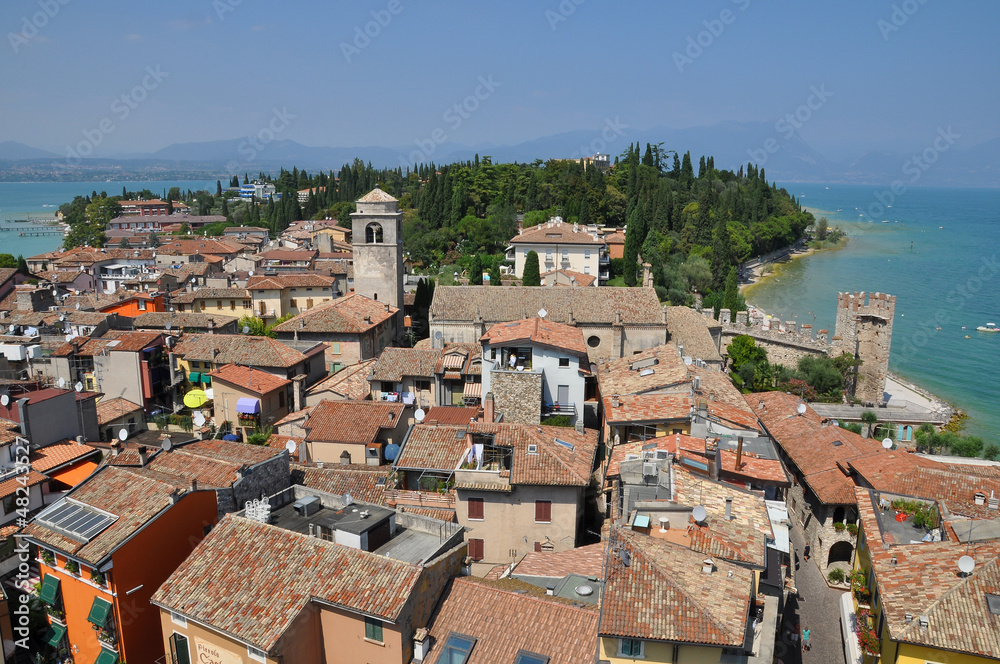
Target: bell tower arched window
x=373, y=233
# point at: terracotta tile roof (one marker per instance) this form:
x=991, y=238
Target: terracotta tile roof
x=442, y=513
x=732, y=416
x=740, y=539
x=499, y=304
x=158, y=320
x=10, y=487
x=463, y=357
x=279, y=441
x=584, y=560
x=539, y=331
x=214, y=463
x=625, y=375
x=7, y=273
x=351, y=314
x=556, y=233
x=187, y=297
x=307, y=255
x=442, y=447
x=203, y=246
x=246, y=378
x=764, y=470
x=280, y=282
x=451, y=414
x=394, y=363
x=133, y=497
x=816, y=449
x=52, y=456
x=351, y=382
x=228, y=581
x=362, y=482
x=376, y=195
x=578, y=278
x=923, y=581
x=328, y=421
x=692, y=329
x=110, y=410
x=565, y=633
x=618, y=237
x=663, y=595
x=9, y=431
x=238, y=349
x=635, y=408
x=897, y=472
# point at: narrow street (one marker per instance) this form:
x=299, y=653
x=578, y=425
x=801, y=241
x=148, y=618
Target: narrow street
x=815, y=608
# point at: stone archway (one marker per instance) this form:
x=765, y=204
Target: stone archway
x=840, y=552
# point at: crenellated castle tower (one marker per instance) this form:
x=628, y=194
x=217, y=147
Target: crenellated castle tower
x=864, y=330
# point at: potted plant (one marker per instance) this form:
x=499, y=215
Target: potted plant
x=838, y=526
x=104, y=634
x=47, y=557
x=97, y=577
x=56, y=613
x=852, y=528
x=72, y=567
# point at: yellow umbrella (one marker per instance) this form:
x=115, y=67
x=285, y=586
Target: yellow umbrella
x=195, y=398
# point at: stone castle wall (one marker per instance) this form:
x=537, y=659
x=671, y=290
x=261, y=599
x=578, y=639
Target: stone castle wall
x=864, y=325
x=518, y=395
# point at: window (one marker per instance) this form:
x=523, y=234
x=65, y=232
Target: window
x=8, y=504
x=309, y=302
x=256, y=654
x=476, y=549
x=548, y=255
x=178, y=619
x=563, y=361
x=180, y=651
x=281, y=399
x=594, y=341
x=335, y=347
x=247, y=304
x=373, y=233
x=586, y=254
x=218, y=304
x=422, y=385
x=543, y=511
x=293, y=304
x=232, y=305
x=630, y=647
x=525, y=657
x=457, y=648
x=586, y=269
x=142, y=305
x=476, y=510
x=373, y=629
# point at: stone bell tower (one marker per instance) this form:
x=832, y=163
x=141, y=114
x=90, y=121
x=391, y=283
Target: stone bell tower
x=377, y=236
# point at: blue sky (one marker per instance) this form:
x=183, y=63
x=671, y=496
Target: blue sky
x=226, y=65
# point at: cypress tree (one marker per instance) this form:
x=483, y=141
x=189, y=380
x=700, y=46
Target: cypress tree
x=731, y=296
x=476, y=271
x=532, y=276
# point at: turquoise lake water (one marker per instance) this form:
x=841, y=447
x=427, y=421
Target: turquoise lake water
x=938, y=254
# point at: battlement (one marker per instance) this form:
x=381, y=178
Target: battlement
x=874, y=304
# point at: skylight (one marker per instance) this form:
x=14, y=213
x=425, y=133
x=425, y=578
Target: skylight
x=993, y=603
x=837, y=443
x=457, y=648
x=76, y=520
x=565, y=444
x=525, y=657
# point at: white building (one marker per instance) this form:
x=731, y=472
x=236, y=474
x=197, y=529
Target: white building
x=560, y=246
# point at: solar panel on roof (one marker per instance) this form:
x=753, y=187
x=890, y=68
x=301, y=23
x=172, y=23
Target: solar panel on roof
x=76, y=520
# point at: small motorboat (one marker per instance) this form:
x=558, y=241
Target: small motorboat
x=989, y=327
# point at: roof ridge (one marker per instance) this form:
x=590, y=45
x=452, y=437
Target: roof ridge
x=551, y=452
x=485, y=583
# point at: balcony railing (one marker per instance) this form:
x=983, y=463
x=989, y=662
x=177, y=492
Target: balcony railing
x=421, y=498
x=559, y=408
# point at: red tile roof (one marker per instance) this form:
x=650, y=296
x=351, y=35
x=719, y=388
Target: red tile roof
x=351, y=382
x=539, y=331
x=10, y=487
x=451, y=414
x=584, y=560
x=280, y=282
x=556, y=233
x=214, y=463
x=53, y=456
x=327, y=423
x=351, y=314
x=110, y=410
x=652, y=369
x=247, y=378
x=394, y=363
x=362, y=482
x=563, y=632
x=238, y=349
x=228, y=582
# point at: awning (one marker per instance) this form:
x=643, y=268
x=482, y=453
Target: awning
x=54, y=635
x=106, y=657
x=99, y=612
x=473, y=390
x=248, y=406
x=50, y=588
x=75, y=474
x=194, y=377
x=206, y=379
x=452, y=375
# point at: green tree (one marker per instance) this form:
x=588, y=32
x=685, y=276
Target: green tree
x=22, y=265
x=532, y=276
x=822, y=228
x=496, y=279
x=476, y=271
x=730, y=299
x=8, y=261
x=123, y=243
x=256, y=326
x=870, y=419
x=991, y=451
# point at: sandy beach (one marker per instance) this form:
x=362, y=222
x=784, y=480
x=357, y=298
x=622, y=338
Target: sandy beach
x=756, y=276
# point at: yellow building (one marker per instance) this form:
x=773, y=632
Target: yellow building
x=230, y=302
x=279, y=296
x=922, y=603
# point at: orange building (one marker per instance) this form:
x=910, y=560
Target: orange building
x=137, y=304
x=102, y=552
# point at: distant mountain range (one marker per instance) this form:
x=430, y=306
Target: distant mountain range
x=783, y=155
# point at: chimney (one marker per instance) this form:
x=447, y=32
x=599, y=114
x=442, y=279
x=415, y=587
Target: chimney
x=615, y=401
x=729, y=508
x=739, y=452
x=345, y=458
x=421, y=644
x=194, y=484
x=80, y=440
x=707, y=566
x=142, y=456
x=488, y=406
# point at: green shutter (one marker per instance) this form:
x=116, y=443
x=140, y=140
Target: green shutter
x=99, y=612
x=373, y=629
x=50, y=588
x=194, y=377
x=55, y=635
x=106, y=657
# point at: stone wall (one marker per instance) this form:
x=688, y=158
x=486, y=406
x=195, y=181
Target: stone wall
x=264, y=479
x=864, y=326
x=518, y=395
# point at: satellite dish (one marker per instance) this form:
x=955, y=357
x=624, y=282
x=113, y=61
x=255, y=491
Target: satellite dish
x=62, y=383
x=542, y=313
x=12, y=328
x=4, y=399
x=250, y=273
x=167, y=444
x=209, y=394
x=801, y=409
x=62, y=317
x=78, y=387
x=887, y=443
x=437, y=335
x=419, y=415
x=625, y=557
x=966, y=564
x=699, y=513
x=291, y=446
x=347, y=499
x=167, y=327
x=835, y=423
x=199, y=419
x=77, y=306
x=122, y=434
x=246, y=329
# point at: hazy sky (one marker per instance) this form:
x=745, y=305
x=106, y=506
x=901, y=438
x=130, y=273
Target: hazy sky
x=198, y=70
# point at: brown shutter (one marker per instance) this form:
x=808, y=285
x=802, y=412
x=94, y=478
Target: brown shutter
x=476, y=549
x=538, y=547
x=475, y=508
x=543, y=511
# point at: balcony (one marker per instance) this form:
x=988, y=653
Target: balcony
x=556, y=408
x=420, y=498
